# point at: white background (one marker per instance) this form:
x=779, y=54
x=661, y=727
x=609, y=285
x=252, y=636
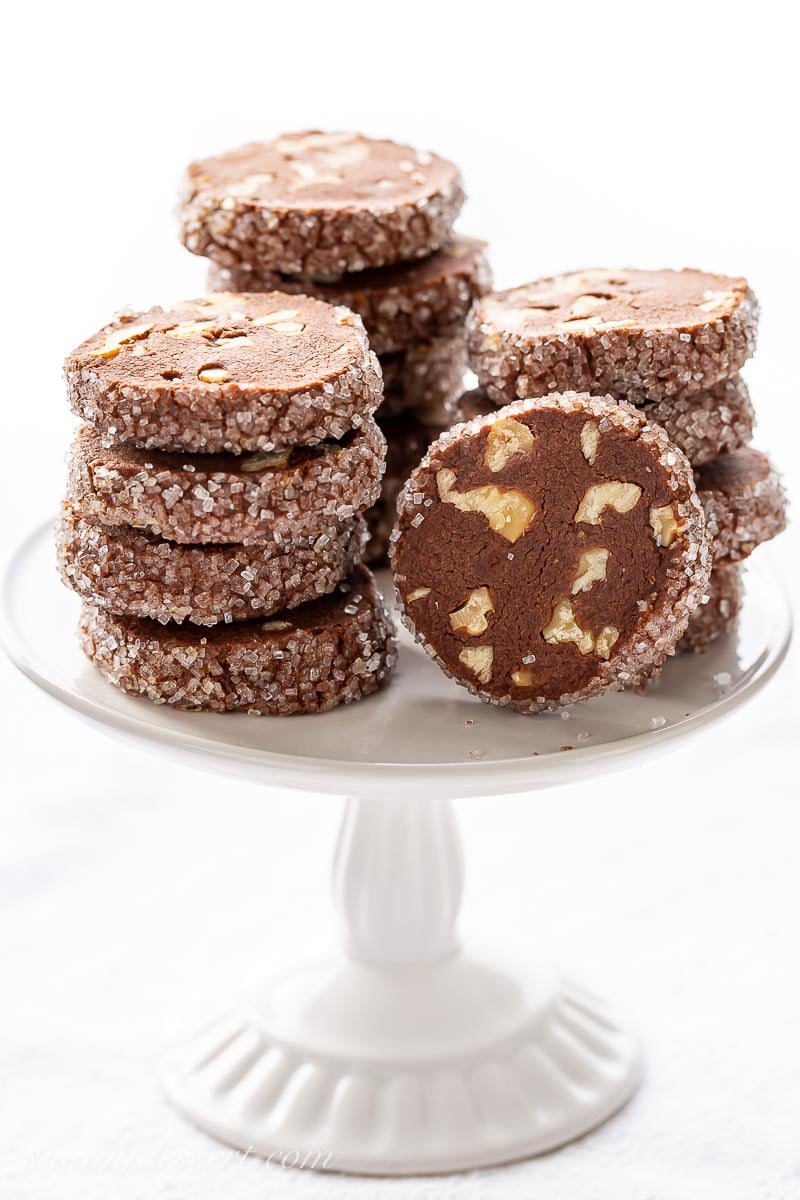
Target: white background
x=642, y=134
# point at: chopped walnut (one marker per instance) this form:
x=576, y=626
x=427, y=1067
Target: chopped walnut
x=590, y=440
x=479, y=659
x=615, y=494
x=116, y=340
x=563, y=628
x=263, y=459
x=664, y=525
x=471, y=616
x=592, y=566
x=214, y=374
x=505, y=439
x=508, y=511
x=606, y=639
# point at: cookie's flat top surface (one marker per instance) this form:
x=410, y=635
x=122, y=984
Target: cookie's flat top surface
x=421, y=729
x=616, y=298
x=313, y=169
x=744, y=468
x=270, y=341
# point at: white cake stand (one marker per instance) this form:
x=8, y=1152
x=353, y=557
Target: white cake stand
x=402, y=1053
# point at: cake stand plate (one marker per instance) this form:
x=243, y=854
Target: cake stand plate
x=403, y=1053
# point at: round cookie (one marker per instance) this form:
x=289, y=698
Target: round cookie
x=319, y=203
x=327, y=652
x=702, y=425
x=135, y=573
x=214, y=498
x=636, y=335
x=400, y=305
x=744, y=502
x=226, y=372
x=407, y=440
x=424, y=381
x=717, y=613
x=550, y=551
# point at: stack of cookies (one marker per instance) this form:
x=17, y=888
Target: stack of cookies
x=213, y=525
x=671, y=343
x=362, y=223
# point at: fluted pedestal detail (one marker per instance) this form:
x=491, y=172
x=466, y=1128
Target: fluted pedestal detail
x=404, y=1055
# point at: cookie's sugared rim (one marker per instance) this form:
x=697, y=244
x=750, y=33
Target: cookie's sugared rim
x=744, y=502
x=227, y=498
x=550, y=550
x=319, y=202
x=634, y=334
x=132, y=572
x=716, y=615
x=226, y=372
x=330, y=651
x=701, y=424
x=400, y=305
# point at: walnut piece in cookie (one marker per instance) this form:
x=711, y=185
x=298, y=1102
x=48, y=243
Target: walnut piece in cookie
x=401, y=305
x=244, y=498
x=227, y=373
x=537, y=575
x=744, y=502
x=132, y=572
x=305, y=660
x=635, y=335
x=319, y=203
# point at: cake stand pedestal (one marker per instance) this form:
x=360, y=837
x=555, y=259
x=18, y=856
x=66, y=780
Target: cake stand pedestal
x=402, y=1053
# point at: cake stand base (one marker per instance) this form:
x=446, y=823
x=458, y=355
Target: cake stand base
x=402, y=1055
x=406, y=1070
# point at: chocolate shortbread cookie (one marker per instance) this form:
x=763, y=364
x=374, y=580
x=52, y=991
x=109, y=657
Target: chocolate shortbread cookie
x=198, y=498
x=703, y=425
x=226, y=372
x=424, y=381
x=399, y=305
x=550, y=551
x=407, y=440
x=309, y=659
x=717, y=613
x=135, y=573
x=319, y=203
x=636, y=335
x=744, y=502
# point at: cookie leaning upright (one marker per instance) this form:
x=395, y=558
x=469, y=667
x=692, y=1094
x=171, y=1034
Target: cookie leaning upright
x=226, y=373
x=550, y=551
x=319, y=203
x=635, y=335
